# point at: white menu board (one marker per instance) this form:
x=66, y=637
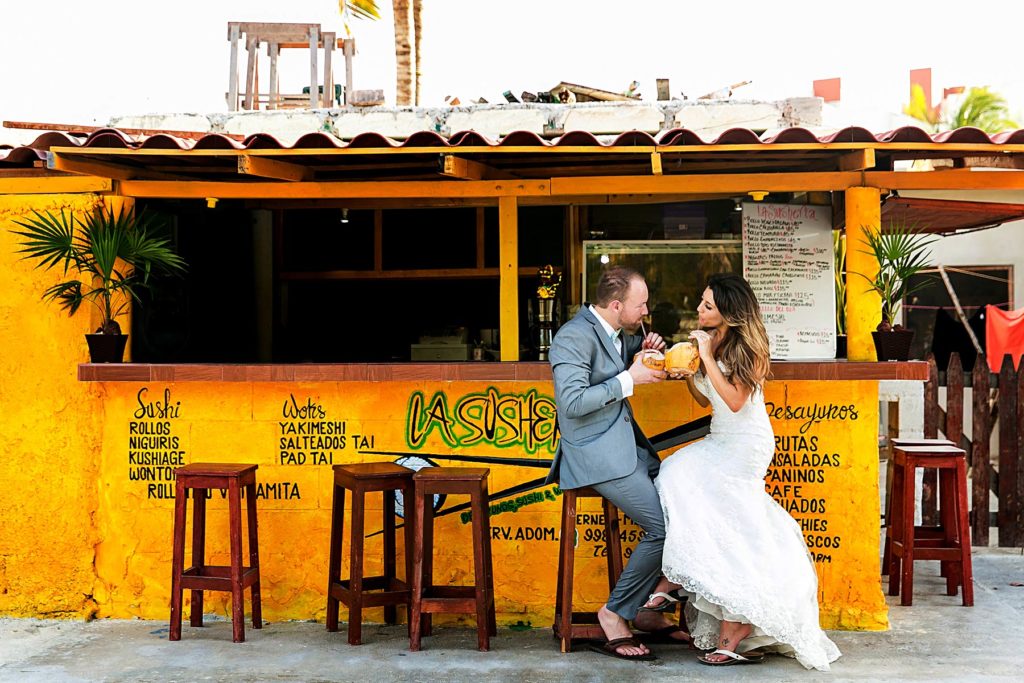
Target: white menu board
x=787, y=259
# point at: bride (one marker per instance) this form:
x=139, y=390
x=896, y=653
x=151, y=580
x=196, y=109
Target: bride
x=730, y=548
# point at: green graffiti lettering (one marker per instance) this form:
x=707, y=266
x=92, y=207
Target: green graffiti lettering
x=421, y=422
x=489, y=417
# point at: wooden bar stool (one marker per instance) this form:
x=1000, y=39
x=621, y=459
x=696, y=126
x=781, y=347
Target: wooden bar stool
x=925, y=532
x=569, y=624
x=428, y=599
x=199, y=478
x=953, y=546
x=361, y=479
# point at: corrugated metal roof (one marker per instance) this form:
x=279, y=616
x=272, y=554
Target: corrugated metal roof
x=518, y=155
x=110, y=138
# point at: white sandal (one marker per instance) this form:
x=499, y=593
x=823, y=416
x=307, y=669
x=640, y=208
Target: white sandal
x=750, y=658
x=670, y=599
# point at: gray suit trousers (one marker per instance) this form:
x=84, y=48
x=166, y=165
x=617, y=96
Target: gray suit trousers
x=636, y=496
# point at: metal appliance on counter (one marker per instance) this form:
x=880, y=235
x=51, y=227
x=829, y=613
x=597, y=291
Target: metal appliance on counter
x=545, y=326
x=447, y=347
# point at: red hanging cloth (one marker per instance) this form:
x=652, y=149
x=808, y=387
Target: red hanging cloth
x=1004, y=334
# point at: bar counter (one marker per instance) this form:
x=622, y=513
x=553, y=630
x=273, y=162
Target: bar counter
x=298, y=420
x=448, y=372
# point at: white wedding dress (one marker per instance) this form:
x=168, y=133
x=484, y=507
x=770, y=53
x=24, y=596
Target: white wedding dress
x=736, y=552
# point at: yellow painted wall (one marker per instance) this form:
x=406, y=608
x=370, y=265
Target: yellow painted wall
x=186, y=422
x=50, y=427
x=82, y=535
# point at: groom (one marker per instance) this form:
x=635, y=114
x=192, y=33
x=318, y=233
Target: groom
x=602, y=447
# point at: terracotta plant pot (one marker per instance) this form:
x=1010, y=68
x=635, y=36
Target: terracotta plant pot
x=893, y=345
x=106, y=348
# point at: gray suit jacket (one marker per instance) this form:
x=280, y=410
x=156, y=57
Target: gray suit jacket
x=598, y=434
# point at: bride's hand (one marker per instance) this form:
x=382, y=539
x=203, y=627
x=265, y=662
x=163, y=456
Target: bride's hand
x=704, y=340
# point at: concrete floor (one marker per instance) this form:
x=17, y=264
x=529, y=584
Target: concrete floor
x=934, y=640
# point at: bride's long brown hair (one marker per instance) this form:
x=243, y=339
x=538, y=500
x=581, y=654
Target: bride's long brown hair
x=745, y=347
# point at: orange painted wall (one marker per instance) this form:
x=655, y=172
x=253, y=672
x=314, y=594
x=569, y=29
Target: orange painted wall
x=373, y=422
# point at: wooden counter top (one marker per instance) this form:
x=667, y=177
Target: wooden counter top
x=830, y=370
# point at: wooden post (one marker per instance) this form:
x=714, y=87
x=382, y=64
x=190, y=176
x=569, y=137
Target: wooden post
x=251, y=46
x=273, y=50
x=481, y=236
x=954, y=399
x=980, y=432
x=350, y=51
x=314, y=41
x=378, y=240
x=953, y=429
x=1016, y=508
x=1008, y=453
x=863, y=307
x=233, y=35
x=508, y=276
x=931, y=431
x=328, y=96
x=931, y=400
x=572, y=283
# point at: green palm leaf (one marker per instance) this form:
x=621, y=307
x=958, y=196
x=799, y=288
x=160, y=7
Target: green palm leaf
x=49, y=239
x=68, y=294
x=901, y=252
x=982, y=108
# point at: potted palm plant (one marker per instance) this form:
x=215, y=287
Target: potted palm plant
x=901, y=252
x=109, y=258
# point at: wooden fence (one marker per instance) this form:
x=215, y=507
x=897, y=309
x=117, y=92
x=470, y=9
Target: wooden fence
x=997, y=403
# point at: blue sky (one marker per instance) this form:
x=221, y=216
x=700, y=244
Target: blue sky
x=83, y=62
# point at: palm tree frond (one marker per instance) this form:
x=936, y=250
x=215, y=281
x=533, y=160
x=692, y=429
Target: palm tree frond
x=983, y=109
x=360, y=9
x=49, y=239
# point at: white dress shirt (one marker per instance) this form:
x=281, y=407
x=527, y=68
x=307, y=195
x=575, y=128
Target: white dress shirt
x=625, y=379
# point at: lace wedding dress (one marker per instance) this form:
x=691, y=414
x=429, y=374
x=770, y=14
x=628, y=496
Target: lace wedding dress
x=736, y=552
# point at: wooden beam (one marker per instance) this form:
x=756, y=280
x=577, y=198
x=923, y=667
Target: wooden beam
x=508, y=277
x=54, y=185
x=104, y=169
x=272, y=168
x=857, y=160
x=1003, y=161
x=958, y=179
x=414, y=274
x=655, y=163
x=464, y=169
x=333, y=190
x=955, y=179
x=454, y=166
x=471, y=202
x=700, y=184
x=91, y=167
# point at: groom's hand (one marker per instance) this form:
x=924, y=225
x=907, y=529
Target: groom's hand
x=642, y=374
x=654, y=341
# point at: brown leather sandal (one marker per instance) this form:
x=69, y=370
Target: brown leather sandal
x=610, y=649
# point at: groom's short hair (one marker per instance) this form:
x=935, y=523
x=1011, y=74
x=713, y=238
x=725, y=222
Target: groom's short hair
x=614, y=284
